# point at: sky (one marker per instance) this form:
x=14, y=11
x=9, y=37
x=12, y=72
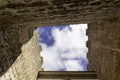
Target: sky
x=64, y=47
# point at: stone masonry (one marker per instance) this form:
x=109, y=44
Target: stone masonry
x=28, y=63
x=19, y=18
x=104, y=49
x=11, y=40
x=57, y=12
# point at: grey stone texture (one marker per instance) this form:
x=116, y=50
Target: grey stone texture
x=19, y=18
x=28, y=63
x=104, y=49
x=54, y=12
x=11, y=40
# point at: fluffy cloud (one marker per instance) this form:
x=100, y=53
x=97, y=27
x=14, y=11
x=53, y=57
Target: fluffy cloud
x=69, y=50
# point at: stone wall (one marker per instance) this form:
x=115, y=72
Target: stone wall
x=57, y=12
x=11, y=39
x=104, y=49
x=18, y=18
x=28, y=63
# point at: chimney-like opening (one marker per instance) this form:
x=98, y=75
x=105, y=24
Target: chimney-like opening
x=64, y=47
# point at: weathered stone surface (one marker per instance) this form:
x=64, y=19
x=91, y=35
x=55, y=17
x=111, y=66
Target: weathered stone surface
x=18, y=18
x=11, y=39
x=104, y=49
x=61, y=75
x=28, y=64
x=53, y=12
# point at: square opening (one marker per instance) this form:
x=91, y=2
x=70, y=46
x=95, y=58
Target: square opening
x=64, y=47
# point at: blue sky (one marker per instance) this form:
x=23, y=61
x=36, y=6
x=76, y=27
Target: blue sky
x=64, y=47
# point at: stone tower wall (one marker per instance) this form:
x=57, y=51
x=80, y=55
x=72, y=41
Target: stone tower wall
x=11, y=40
x=18, y=18
x=104, y=49
x=28, y=63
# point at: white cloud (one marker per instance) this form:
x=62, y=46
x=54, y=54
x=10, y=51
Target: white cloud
x=69, y=45
x=73, y=65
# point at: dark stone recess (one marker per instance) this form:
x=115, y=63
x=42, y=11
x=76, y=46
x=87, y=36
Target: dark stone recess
x=11, y=40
